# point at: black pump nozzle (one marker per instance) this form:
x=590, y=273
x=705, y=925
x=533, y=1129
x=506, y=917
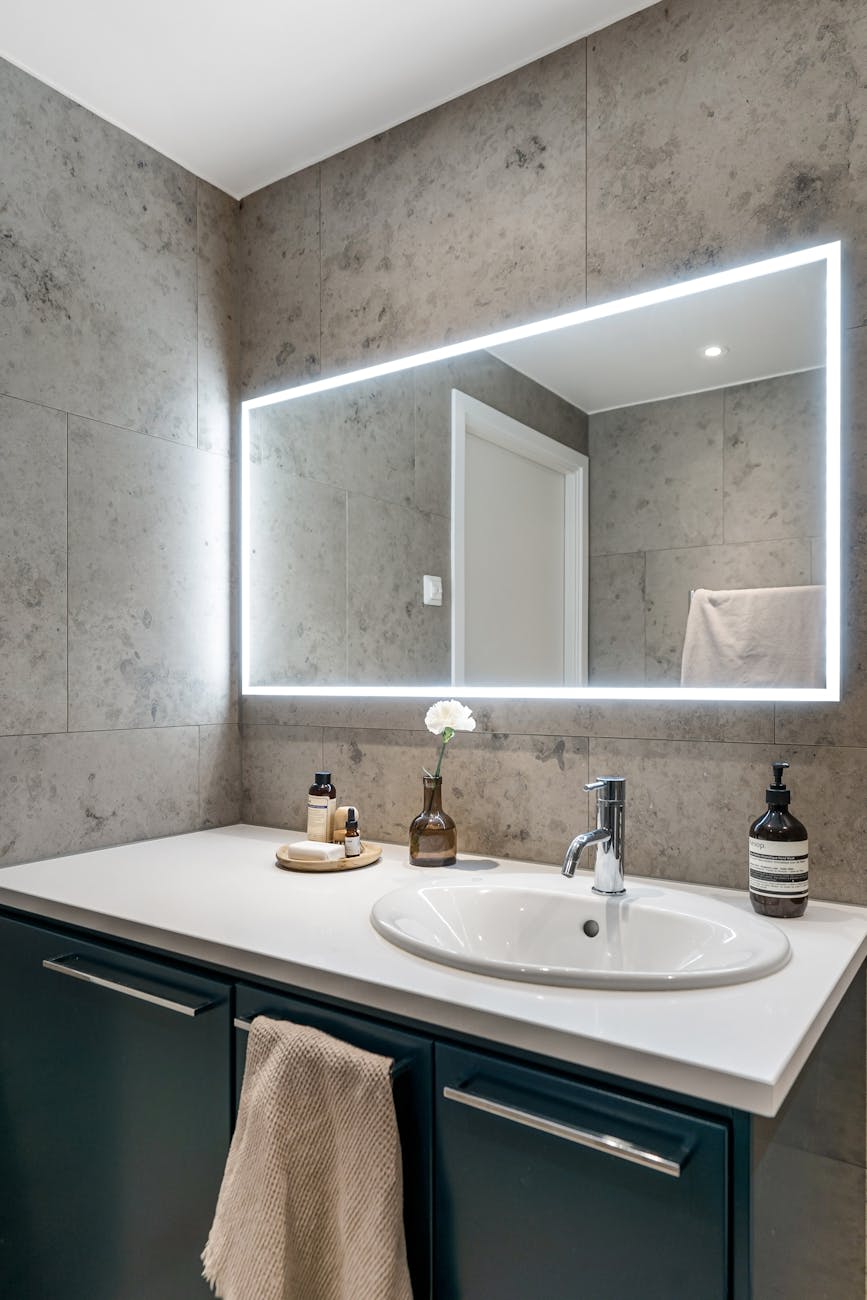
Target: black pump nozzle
x=778, y=794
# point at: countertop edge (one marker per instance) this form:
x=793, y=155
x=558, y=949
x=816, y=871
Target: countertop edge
x=697, y=1082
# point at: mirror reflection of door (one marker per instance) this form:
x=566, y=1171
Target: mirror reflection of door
x=519, y=552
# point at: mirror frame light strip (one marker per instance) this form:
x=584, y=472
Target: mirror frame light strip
x=829, y=253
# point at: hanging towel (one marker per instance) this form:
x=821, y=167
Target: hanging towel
x=311, y=1205
x=761, y=636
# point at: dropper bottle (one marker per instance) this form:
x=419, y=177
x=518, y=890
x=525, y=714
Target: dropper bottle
x=779, y=856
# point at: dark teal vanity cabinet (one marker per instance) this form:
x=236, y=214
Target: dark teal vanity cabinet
x=524, y=1179
x=116, y=1113
x=541, y=1176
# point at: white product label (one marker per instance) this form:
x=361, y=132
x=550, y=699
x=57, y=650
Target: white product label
x=320, y=817
x=352, y=846
x=779, y=869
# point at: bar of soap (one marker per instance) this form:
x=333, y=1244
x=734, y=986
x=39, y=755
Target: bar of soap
x=314, y=851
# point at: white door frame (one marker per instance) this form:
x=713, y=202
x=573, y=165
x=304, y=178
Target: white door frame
x=523, y=440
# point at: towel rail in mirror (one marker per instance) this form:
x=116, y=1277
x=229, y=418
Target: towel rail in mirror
x=526, y=515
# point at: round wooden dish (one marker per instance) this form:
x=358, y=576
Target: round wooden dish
x=369, y=854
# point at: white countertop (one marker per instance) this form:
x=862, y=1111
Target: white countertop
x=217, y=896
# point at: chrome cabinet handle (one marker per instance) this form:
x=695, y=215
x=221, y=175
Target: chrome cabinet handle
x=246, y=1025
x=611, y=1146
x=186, y=1004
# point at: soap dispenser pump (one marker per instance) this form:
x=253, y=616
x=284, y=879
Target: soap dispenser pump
x=779, y=856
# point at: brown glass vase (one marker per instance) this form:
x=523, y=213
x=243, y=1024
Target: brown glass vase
x=433, y=836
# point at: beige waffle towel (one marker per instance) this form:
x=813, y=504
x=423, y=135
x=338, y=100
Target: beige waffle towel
x=764, y=636
x=311, y=1206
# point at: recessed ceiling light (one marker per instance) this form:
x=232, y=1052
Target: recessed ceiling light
x=713, y=350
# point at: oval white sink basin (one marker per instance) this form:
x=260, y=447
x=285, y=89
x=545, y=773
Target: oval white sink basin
x=557, y=931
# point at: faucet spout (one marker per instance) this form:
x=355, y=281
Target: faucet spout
x=578, y=845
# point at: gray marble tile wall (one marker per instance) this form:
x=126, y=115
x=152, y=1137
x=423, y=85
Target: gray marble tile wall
x=691, y=135
x=119, y=348
x=736, y=501
x=351, y=497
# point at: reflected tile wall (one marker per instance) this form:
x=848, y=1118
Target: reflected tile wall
x=351, y=493
x=298, y=596
x=656, y=475
x=721, y=489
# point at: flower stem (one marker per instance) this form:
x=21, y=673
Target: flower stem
x=448, y=732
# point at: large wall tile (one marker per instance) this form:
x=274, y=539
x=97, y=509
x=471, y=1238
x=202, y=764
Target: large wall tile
x=671, y=575
x=511, y=796
x=616, y=607
x=68, y=793
x=32, y=568
x=690, y=806
x=149, y=591
x=823, y=1202
x=774, y=458
x=219, y=776
x=656, y=475
x=277, y=769
x=298, y=580
x=518, y=796
x=676, y=720
x=218, y=317
x=98, y=266
x=720, y=131
x=280, y=317
x=824, y=1112
x=381, y=772
x=462, y=219
x=392, y=636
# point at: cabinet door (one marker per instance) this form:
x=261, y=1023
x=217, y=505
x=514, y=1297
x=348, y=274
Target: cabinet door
x=550, y=1188
x=115, y=1105
x=413, y=1057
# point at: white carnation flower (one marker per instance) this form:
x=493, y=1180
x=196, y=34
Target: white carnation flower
x=449, y=714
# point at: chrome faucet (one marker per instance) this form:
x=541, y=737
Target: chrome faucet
x=609, y=837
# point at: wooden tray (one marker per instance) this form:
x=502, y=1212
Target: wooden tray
x=369, y=854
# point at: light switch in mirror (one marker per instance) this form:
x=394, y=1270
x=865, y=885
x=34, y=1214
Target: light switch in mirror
x=638, y=500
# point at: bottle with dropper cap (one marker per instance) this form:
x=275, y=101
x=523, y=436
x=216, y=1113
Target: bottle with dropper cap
x=779, y=856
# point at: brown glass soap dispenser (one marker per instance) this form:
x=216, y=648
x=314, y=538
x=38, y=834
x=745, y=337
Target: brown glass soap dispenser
x=779, y=856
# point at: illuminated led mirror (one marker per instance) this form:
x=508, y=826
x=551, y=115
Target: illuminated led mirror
x=639, y=500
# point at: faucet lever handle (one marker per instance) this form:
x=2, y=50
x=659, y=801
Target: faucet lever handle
x=613, y=786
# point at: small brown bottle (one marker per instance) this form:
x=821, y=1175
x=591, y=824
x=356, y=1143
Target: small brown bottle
x=352, y=843
x=779, y=856
x=321, y=805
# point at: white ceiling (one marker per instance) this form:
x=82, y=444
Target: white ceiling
x=242, y=94
x=772, y=325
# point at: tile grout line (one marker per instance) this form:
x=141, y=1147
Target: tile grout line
x=198, y=775
x=319, y=191
x=198, y=249
x=586, y=170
